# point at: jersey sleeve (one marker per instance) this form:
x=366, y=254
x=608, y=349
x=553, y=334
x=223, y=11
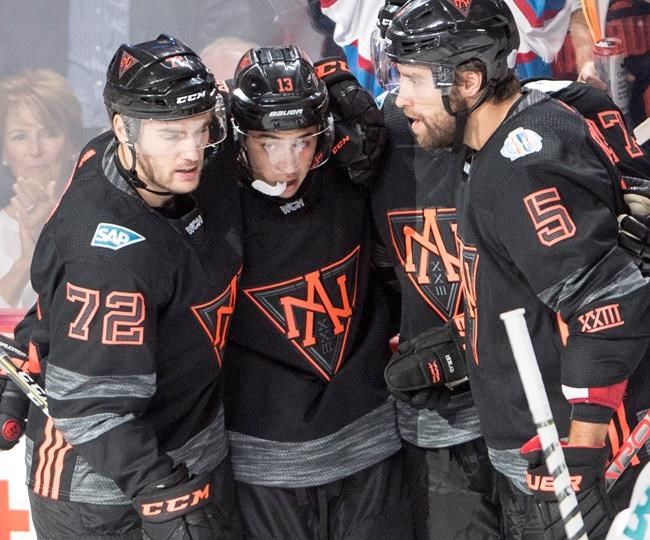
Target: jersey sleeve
x=556, y=221
x=100, y=372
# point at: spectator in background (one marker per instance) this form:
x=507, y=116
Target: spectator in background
x=542, y=26
x=222, y=55
x=629, y=21
x=40, y=127
x=77, y=38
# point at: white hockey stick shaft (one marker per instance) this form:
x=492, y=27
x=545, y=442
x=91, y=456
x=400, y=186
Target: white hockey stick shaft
x=531, y=379
x=22, y=379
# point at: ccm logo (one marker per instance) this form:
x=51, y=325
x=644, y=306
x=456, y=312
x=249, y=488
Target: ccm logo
x=340, y=144
x=169, y=506
x=291, y=112
x=190, y=97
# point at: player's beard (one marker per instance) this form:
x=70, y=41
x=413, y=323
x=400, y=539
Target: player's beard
x=441, y=128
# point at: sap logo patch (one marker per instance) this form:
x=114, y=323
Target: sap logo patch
x=521, y=142
x=108, y=235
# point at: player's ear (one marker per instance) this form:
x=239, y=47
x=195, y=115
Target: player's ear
x=469, y=83
x=119, y=129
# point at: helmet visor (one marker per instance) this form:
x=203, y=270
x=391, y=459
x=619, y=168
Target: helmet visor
x=380, y=62
x=179, y=135
x=278, y=155
x=390, y=77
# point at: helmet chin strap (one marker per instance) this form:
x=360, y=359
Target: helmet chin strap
x=463, y=114
x=133, y=179
x=267, y=189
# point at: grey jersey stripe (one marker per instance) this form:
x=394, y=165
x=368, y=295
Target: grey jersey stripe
x=428, y=429
x=63, y=384
x=368, y=440
x=204, y=451
x=626, y=280
x=510, y=463
x=86, y=428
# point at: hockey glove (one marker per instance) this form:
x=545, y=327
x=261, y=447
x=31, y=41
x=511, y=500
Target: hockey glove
x=426, y=367
x=14, y=404
x=634, y=238
x=360, y=136
x=587, y=469
x=636, y=193
x=177, y=508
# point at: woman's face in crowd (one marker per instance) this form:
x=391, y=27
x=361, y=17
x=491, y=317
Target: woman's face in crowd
x=32, y=150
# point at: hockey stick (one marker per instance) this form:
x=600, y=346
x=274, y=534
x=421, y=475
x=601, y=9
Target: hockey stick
x=639, y=436
x=531, y=379
x=22, y=379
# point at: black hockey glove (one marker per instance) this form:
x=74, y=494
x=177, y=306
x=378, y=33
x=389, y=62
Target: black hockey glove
x=426, y=367
x=360, y=135
x=634, y=238
x=177, y=508
x=587, y=469
x=14, y=404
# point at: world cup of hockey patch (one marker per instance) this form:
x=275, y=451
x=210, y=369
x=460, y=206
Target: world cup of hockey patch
x=111, y=236
x=520, y=142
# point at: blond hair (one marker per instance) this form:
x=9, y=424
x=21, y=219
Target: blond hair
x=48, y=96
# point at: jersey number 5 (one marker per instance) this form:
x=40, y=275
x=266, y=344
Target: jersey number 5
x=121, y=325
x=549, y=216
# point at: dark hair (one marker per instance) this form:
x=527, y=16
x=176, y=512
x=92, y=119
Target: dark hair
x=504, y=89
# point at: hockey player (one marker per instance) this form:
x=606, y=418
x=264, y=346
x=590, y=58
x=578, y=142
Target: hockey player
x=314, y=442
x=537, y=228
x=453, y=484
x=135, y=293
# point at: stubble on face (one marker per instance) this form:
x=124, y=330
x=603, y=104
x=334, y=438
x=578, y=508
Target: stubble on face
x=160, y=174
x=440, y=128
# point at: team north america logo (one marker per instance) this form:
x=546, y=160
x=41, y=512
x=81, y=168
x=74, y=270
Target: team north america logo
x=425, y=243
x=214, y=317
x=314, y=311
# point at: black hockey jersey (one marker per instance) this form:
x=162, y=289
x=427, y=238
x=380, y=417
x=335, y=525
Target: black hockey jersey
x=133, y=311
x=415, y=215
x=538, y=229
x=605, y=120
x=305, y=397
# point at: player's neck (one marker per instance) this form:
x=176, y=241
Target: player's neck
x=485, y=120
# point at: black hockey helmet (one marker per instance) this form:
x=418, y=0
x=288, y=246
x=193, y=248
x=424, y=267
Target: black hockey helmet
x=447, y=33
x=276, y=88
x=386, y=14
x=161, y=79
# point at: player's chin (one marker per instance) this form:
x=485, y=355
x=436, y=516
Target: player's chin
x=292, y=188
x=187, y=177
